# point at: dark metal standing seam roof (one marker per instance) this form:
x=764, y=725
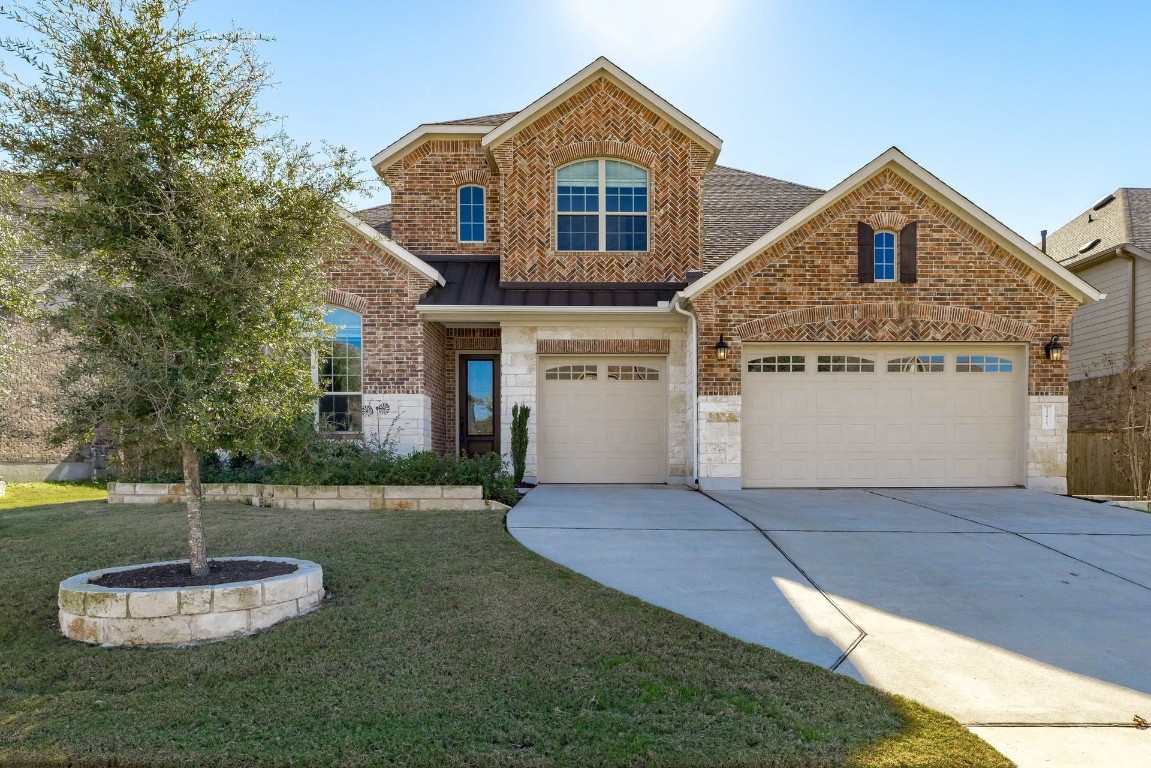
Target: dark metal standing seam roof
x=475, y=281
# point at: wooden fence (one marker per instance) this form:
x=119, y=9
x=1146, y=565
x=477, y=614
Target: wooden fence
x=1096, y=464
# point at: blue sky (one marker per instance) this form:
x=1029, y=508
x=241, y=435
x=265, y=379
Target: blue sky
x=1033, y=110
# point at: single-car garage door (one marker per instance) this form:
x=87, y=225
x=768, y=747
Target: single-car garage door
x=603, y=420
x=883, y=415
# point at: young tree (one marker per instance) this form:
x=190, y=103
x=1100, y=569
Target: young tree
x=194, y=237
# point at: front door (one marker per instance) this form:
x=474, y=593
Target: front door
x=479, y=405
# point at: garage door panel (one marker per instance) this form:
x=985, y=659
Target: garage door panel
x=608, y=429
x=885, y=427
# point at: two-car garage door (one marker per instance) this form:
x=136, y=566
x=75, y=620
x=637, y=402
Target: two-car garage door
x=883, y=415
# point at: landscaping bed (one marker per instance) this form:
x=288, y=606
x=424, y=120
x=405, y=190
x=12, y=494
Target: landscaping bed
x=442, y=643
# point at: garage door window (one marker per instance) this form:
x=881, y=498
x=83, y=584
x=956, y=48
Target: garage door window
x=843, y=364
x=982, y=364
x=632, y=373
x=777, y=364
x=916, y=364
x=572, y=373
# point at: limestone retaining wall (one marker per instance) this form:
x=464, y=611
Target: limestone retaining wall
x=394, y=497
x=185, y=615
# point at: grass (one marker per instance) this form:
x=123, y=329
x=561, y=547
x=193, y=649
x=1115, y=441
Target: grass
x=444, y=643
x=30, y=494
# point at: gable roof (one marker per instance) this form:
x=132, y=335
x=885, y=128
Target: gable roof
x=378, y=218
x=1124, y=220
x=492, y=120
x=601, y=67
x=905, y=166
x=390, y=246
x=739, y=207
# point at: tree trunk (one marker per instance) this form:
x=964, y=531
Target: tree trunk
x=197, y=547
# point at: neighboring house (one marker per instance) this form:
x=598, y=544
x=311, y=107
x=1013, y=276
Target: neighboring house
x=1109, y=246
x=672, y=320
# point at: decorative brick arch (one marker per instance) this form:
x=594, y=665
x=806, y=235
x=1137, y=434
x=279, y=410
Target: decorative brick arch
x=339, y=298
x=888, y=321
x=618, y=149
x=887, y=220
x=477, y=176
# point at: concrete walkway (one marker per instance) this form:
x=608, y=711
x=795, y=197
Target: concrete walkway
x=1024, y=615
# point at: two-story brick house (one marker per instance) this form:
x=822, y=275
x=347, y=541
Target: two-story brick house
x=672, y=320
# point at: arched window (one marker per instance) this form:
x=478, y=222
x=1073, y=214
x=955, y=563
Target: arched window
x=884, y=256
x=340, y=373
x=471, y=214
x=601, y=205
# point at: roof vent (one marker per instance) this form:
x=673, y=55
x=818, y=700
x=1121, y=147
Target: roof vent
x=1088, y=246
x=1103, y=202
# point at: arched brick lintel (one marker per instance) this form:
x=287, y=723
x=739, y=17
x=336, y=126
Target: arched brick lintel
x=351, y=301
x=618, y=149
x=889, y=322
x=471, y=176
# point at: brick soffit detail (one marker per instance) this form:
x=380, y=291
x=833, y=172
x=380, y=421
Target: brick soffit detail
x=1006, y=327
x=602, y=346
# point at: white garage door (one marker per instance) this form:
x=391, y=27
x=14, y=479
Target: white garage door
x=603, y=420
x=880, y=415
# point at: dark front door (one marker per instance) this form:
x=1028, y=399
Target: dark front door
x=479, y=405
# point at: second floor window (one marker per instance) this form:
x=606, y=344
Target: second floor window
x=471, y=214
x=884, y=256
x=601, y=205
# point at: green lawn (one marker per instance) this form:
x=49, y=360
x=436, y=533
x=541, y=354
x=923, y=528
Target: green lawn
x=444, y=643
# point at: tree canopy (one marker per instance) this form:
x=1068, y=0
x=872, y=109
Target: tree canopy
x=192, y=234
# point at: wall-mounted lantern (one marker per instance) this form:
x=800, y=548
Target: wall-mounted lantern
x=1053, y=349
x=721, y=348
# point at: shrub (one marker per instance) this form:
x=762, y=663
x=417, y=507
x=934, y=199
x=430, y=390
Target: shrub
x=520, y=415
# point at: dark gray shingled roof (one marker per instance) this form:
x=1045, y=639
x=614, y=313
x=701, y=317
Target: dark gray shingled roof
x=475, y=281
x=1126, y=220
x=739, y=207
x=498, y=119
x=378, y=218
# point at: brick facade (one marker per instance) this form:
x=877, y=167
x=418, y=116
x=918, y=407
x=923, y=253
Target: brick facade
x=600, y=120
x=424, y=186
x=806, y=288
x=384, y=292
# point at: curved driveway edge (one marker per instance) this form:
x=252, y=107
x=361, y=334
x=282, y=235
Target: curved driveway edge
x=1024, y=615
x=680, y=550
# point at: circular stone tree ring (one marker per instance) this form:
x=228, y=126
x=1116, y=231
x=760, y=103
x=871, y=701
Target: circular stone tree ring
x=118, y=616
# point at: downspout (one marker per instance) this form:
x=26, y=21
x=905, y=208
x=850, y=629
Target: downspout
x=674, y=306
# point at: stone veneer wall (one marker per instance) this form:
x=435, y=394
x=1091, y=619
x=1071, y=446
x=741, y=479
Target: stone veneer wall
x=315, y=497
x=185, y=615
x=519, y=381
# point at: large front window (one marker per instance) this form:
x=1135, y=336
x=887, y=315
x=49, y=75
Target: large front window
x=601, y=205
x=341, y=373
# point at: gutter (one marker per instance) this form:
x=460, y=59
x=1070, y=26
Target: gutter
x=675, y=306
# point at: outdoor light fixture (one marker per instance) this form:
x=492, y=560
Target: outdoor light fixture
x=1053, y=349
x=721, y=348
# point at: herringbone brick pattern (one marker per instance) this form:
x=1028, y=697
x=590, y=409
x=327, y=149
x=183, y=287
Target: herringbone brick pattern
x=805, y=288
x=600, y=120
x=602, y=346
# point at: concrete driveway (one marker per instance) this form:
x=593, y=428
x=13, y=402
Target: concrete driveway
x=1025, y=616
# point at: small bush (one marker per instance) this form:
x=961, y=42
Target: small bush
x=335, y=462
x=520, y=414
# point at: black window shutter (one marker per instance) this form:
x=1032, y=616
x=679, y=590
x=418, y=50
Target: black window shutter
x=866, y=253
x=907, y=272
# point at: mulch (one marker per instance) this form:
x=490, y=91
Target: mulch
x=179, y=575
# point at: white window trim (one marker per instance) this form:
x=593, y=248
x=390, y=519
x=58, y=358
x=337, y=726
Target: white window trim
x=895, y=254
x=602, y=213
x=460, y=211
